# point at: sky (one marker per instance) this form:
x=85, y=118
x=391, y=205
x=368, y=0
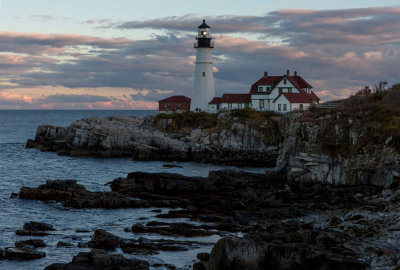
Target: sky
x=126, y=54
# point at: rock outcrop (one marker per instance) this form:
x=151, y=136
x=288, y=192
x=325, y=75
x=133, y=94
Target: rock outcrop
x=243, y=253
x=100, y=260
x=235, y=142
x=300, y=224
x=336, y=149
x=71, y=194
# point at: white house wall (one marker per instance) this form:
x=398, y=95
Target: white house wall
x=268, y=102
x=234, y=106
x=296, y=106
x=282, y=100
x=286, y=86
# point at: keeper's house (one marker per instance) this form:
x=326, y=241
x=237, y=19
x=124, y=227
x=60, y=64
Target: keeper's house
x=281, y=94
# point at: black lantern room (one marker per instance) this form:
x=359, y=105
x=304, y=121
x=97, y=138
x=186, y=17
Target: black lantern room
x=204, y=38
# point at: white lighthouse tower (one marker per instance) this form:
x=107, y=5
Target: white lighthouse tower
x=203, y=87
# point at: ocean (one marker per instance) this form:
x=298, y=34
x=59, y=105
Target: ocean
x=21, y=167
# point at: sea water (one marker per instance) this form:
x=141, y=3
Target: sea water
x=21, y=167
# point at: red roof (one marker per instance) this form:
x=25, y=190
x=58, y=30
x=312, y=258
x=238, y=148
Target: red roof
x=236, y=98
x=298, y=97
x=176, y=99
x=297, y=81
x=232, y=98
x=216, y=100
x=265, y=80
x=314, y=96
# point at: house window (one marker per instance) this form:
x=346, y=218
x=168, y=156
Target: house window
x=285, y=107
x=204, y=74
x=261, y=104
x=178, y=106
x=229, y=106
x=268, y=88
x=284, y=81
x=301, y=106
x=260, y=89
x=240, y=105
x=280, y=90
x=218, y=107
x=279, y=107
x=289, y=90
x=166, y=106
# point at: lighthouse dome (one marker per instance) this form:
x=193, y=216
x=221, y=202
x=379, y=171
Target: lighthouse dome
x=204, y=25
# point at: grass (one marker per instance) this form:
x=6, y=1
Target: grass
x=377, y=115
x=187, y=120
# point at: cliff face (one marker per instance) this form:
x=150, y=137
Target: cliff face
x=230, y=141
x=338, y=149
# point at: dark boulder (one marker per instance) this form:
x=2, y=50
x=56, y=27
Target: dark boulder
x=31, y=242
x=232, y=253
x=104, y=240
x=98, y=259
x=22, y=253
x=38, y=226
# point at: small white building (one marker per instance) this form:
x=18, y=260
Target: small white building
x=230, y=102
x=271, y=93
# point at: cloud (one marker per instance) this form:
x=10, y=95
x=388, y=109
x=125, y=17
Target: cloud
x=43, y=18
x=337, y=51
x=70, y=98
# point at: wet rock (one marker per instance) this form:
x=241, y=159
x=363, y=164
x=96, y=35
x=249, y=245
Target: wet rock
x=31, y=242
x=81, y=231
x=31, y=233
x=71, y=194
x=22, y=253
x=240, y=253
x=164, y=266
x=200, y=266
x=104, y=240
x=152, y=246
x=64, y=244
x=38, y=226
x=171, y=166
x=173, y=229
x=100, y=260
x=204, y=257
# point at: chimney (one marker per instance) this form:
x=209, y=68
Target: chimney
x=287, y=72
x=266, y=73
x=295, y=73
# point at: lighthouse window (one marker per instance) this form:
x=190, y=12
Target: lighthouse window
x=204, y=74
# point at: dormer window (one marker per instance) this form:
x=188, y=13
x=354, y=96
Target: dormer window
x=284, y=81
x=268, y=88
x=260, y=89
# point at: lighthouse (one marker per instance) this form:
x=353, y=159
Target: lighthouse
x=203, y=86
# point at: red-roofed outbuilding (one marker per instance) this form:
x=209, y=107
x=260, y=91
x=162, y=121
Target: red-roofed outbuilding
x=174, y=103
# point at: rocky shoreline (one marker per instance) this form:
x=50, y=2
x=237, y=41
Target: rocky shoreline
x=286, y=224
x=230, y=142
x=331, y=203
